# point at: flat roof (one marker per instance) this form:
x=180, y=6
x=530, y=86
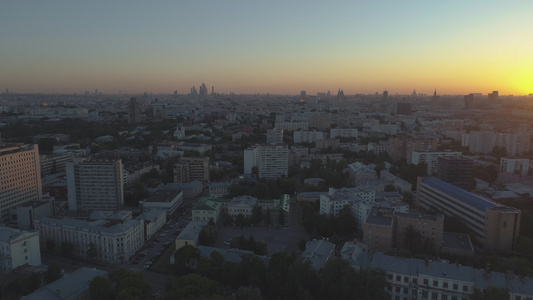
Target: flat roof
x=470, y=199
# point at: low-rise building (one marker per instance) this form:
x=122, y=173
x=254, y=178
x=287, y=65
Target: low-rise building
x=219, y=189
x=410, y=278
x=167, y=199
x=18, y=248
x=73, y=286
x=115, y=240
x=318, y=252
x=190, y=234
x=154, y=219
x=207, y=210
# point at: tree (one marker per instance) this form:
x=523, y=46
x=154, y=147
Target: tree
x=248, y=293
x=257, y=214
x=184, y=259
x=100, y=289
x=281, y=217
x=490, y=293
x=52, y=274
x=241, y=221
x=346, y=221
x=192, y=286
x=208, y=236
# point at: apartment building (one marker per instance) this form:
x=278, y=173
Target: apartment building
x=20, y=177
x=273, y=161
x=512, y=165
x=275, y=136
x=431, y=158
x=192, y=168
x=167, y=199
x=307, y=136
x=95, y=184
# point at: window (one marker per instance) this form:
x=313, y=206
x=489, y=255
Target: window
x=425, y=281
x=465, y=288
x=389, y=276
x=406, y=279
x=398, y=278
x=445, y=284
x=455, y=286
x=434, y=296
x=435, y=283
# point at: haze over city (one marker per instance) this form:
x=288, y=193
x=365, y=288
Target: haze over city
x=279, y=47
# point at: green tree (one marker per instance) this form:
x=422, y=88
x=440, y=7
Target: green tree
x=490, y=293
x=241, y=221
x=53, y=273
x=184, y=259
x=192, y=286
x=346, y=221
x=248, y=293
x=208, y=236
x=257, y=215
x=100, y=289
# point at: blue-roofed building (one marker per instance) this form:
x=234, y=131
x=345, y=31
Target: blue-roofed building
x=494, y=225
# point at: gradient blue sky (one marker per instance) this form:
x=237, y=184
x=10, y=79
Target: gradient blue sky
x=252, y=46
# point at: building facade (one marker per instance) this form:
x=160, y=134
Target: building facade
x=20, y=177
x=115, y=241
x=431, y=158
x=273, y=161
x=514, y=165
x=456, y=170
x=18, y=248
x=95, y=185
x=493, y=225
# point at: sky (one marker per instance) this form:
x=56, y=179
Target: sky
x=258, y=46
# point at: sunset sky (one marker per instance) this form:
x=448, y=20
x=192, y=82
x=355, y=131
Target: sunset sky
x=260, y=46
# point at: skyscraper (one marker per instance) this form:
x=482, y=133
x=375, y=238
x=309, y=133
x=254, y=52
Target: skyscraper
x=95, y=184
x=385, y=95
x=20, y=177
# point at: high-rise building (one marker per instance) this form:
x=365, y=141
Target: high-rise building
x=20, y=177
x=95, y=184
x=456, y=170
x=134, y=111
x=385, y=95
x=273, y=161
x=251, y=159
x=493, y=96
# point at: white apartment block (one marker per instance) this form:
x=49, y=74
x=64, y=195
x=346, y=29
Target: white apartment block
x=378, y=148
x=273, y=161
x=335, y=200
x=115, y=241
x=292, y=126
x=251, y=159
x=18, y=248
x=515, y=143
x=521, y=166
x=95, y=185
x=275, y=136
x=308, y=136
x=431, y=158
x=20, y=177
x=343, y=132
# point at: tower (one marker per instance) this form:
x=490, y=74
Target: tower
x=134, y=111
x=385, y=95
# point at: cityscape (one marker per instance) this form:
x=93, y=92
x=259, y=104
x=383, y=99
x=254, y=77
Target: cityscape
x=254, y=150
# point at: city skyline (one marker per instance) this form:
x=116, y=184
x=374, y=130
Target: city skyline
x=272, y=47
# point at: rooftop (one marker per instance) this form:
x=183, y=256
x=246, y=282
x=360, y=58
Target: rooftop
x=167, y=195
x=468, y=198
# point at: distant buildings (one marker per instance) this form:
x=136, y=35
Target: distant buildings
x=494, y=226
x=95, y=184
x=18, y=248
x=20, y=177
x=275, y=136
